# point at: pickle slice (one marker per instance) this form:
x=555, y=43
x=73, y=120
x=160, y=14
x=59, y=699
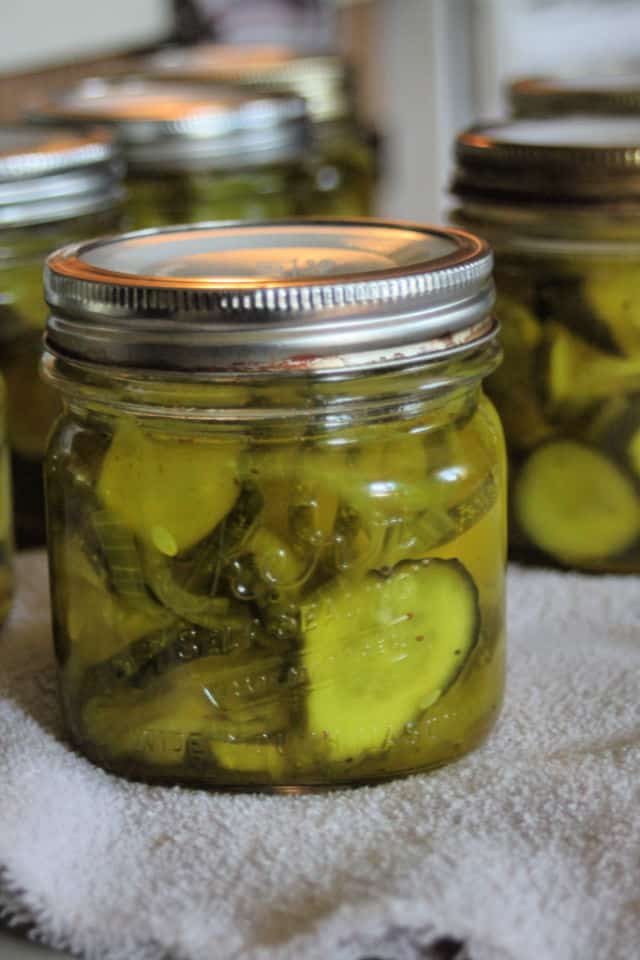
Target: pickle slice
x=251, y=757
x=569, y=300
x=513, y=384
x=634, y=452
x=575, y=503
x=231, y=698
x=169, y=492
x=576, y=374
x=378, y=652
x=613, y=292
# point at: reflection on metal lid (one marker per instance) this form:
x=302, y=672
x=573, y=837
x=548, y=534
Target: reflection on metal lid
x=323, y=80
x=167, y=124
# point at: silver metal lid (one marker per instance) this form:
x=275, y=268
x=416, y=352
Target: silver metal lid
x=175, y=126
x=324, y=81
x=563, y=159
x=49, y=174
x=286, y=296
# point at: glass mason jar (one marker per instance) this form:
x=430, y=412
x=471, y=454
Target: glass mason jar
x=559, y=202
x=342, y=164
x=276, y=501
x=55, y=187
x=195, y=153
x=558, y=96
x=6, y=518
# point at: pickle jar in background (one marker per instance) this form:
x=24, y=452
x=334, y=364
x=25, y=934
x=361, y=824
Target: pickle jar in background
x=55, y=187
x=276, y=501
x=549, y=96
x=6, y=517
x=343, y=161
x=559, y=200
x=196, y=153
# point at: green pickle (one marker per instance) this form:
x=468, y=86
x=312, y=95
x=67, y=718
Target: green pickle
x=188, y=197
x=569, y=393
x=265, y=610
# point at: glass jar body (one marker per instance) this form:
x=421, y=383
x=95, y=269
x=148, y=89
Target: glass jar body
x=32, y=405
x=290, y=590
x=569, y=388
x=343, y=171
x=240, y=193
x=6, y=514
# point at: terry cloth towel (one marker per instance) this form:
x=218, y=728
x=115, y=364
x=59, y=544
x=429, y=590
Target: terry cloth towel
x=528, y=849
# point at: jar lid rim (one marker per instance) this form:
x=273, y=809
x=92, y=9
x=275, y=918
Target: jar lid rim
x=323, y=79
x=49, y=174
x=569, y=157
x=551, y=95
x=27, y=152
x=258, y=293
x=162, y=123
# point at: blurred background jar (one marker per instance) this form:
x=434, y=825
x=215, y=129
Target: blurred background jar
x=196, y=153
x=559, y=200
x=342, y=163
x=549, y=96
x=55, y=187
x=6, y=517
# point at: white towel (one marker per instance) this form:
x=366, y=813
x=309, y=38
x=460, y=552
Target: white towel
x=529, y=849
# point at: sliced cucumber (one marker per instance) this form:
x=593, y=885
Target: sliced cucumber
x=264, y=758
x=513, y=384
x=612, y=289
x=634, y=452
x=170, y=492
x=378, y=652
x=234, y=697
x=613, y=427
x=568, y=299
x=98, y=625
x=576, y=374
x=574, y=503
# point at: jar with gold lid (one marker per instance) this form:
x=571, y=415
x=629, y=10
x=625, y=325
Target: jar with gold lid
x=342, y=162
x=195, y=153
x=55, y=187
x=276, y=501
x=559, y=201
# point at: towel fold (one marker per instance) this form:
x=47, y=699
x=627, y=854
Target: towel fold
x=529, y=849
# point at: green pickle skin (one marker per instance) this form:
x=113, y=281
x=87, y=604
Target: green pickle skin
x=569, y=395
x=258, y=610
